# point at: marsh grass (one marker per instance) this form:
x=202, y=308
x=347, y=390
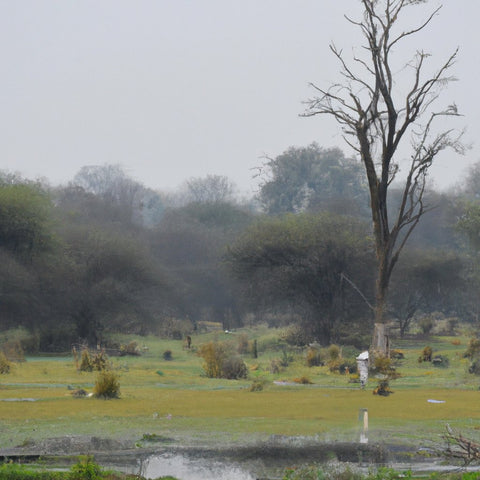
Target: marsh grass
x=184, y=404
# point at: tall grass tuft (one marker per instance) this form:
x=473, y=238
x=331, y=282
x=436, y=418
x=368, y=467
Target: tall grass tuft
x=107, y=385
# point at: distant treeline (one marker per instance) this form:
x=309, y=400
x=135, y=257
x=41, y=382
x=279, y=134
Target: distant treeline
x=105, y=254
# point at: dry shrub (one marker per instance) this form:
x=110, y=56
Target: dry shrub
x=256, y=386
x=426, y=355
x=86, y=361
x=275, y=366
x=295, y=335
x=397, y=354
x=90, y=362
x=213, y=354
x=456, y=342
x=219, y=362
x=130, y=348
x=243, y=345
x=303, y=380
x=314, y=358
x=5, y=365
x=426, y=324
x=473, y=348
x=107, y=385
x=175, y=328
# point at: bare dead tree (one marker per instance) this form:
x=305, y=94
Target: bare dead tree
x=376, y=118
x=460, y=448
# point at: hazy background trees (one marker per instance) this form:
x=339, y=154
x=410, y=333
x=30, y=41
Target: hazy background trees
x=104, y=254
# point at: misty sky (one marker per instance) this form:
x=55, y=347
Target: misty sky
x=173, y=89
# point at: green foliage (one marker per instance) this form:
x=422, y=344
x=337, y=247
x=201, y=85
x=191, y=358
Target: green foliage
x=86, y=469
x=221, y=362
x=24, y=220
x=310, y=178
x=107, y=385
x=13, y=471
x=302, y=263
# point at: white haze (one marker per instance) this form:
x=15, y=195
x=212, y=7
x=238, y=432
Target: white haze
x=173, y=89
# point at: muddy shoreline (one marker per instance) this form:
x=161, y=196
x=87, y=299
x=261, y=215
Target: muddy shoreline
x=271, y=456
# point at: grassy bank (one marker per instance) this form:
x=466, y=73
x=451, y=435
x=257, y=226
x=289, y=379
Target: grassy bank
x=173, y=399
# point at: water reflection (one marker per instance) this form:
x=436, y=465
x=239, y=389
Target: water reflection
x=184, y=468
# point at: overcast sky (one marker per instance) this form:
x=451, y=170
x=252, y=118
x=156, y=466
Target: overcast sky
x=174, y=89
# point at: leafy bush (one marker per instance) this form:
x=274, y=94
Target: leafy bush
x=474, y=367
x=426, y=355
x=303, y=380
x=234, y=368
x=5, y=365
x=220, y=362
x=295, y=335
x=85, y=469
x=441, y=361
x=334, y=352
x=107, y=385
x=213, y=354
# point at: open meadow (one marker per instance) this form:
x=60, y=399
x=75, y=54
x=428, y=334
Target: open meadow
x=174, y=400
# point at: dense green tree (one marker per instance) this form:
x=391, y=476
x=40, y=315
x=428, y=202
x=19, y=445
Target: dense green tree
x=313, y=178
x=190, y=242
x=115, y=286
x=24, y=220
x=319, y=264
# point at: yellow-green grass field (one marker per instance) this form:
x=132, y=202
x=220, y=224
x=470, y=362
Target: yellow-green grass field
x=173, y=399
